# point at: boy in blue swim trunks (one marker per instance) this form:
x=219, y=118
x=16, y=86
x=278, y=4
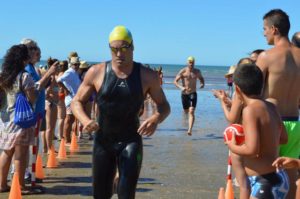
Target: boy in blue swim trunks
x=263, y=129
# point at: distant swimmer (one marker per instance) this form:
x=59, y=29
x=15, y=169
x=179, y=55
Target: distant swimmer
x=121, y=86
x=189, y=75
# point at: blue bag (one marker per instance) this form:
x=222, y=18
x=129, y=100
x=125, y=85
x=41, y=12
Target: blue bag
x=24, y=114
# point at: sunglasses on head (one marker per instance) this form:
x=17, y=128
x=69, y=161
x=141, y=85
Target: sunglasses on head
x=121, y=49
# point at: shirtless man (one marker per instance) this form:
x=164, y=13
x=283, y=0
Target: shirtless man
x=281, y=68
x=189, y=76
x=121, y=86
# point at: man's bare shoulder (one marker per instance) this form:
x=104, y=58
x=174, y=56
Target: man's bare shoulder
x=95, y=71
x=263, y=59
x=273, y=56
x=266, y=54
x=148, y=72
x=276, y=51
x=183, y=70
x=98, y=67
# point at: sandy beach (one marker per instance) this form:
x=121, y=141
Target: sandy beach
x=174, y=166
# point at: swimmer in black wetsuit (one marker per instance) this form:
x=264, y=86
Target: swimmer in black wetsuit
x=121, y=86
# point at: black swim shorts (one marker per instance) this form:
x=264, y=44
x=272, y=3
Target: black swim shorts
x=189, y=100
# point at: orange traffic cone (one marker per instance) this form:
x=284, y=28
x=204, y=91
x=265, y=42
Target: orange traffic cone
x=74, y=145
x=229, y=190
x=62, y=154
x=15, y=190
x=221, y=193
x=52, y=163
x=39, y=173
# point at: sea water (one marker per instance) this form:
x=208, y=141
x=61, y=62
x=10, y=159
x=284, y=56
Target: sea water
x=213, y=75
x=209, y=117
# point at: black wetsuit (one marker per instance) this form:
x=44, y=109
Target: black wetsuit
x=117, y=143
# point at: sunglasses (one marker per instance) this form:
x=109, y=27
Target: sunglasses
x=121, y=49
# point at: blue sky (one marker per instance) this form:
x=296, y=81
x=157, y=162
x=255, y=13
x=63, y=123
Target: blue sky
x=165, y=32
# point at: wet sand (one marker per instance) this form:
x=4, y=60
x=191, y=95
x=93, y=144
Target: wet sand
x=174, y=165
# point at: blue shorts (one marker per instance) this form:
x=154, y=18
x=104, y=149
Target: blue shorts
x=272, y=185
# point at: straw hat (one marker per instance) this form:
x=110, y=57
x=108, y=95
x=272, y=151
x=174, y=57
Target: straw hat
x=83, y=65
x=73, y=54
x=230, y=71
x=74, y=60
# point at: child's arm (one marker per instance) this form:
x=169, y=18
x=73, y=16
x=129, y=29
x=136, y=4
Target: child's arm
x=232, y=111
x=251, y=131
x=233, y=116
x=286, y=163
x=222, y=96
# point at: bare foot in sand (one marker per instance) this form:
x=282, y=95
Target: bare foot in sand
x=189, y=133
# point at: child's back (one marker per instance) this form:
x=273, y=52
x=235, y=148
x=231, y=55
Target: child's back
x=267, y=131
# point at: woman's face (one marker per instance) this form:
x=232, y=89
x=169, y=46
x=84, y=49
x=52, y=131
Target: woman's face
x=36, y=56
x=61, y=68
